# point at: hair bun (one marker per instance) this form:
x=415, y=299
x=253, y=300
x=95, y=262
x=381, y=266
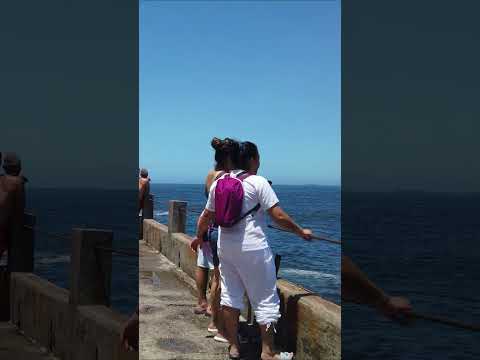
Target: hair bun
x=216, y=143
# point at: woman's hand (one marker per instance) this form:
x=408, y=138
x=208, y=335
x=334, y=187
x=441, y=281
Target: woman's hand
x=195, y=244
x=396, y=307
x=305, y=234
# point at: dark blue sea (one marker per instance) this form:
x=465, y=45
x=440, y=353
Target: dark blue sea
x=313, y=265
x=59, y=210
x=419, y=245
x=423, y=246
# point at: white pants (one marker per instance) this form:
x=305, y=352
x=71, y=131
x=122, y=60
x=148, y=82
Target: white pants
x=253, y=272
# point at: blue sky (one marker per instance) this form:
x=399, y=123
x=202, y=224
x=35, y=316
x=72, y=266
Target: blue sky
x=267, y=72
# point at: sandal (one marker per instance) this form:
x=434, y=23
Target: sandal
x=212, y=329
x=220, y=338
x=283, y=356
x=199, y=310
x=230, y=356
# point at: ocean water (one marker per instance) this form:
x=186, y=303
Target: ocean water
x=313, y=265
x=59, y=210
x=423, y=246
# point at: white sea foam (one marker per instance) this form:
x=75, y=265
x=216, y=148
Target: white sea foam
x=161, y=213
x=308, y=273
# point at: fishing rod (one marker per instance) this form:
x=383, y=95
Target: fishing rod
x=415, y=315
x=444, y=321
x=316, y=237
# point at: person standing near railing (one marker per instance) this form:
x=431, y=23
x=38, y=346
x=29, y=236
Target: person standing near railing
x=207, y=256
x=12, y=201
x=246, y=260
x=12, y=165
x=143, y=189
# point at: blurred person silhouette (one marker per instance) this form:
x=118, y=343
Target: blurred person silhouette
x=12, y=201
x=130, y=337
x=143, y=189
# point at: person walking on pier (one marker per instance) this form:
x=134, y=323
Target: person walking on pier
x=246, y=260
x=12, y=201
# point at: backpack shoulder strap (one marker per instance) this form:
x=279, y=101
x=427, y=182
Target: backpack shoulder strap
x=219, y=175
x=255, y=209
x=243, y=175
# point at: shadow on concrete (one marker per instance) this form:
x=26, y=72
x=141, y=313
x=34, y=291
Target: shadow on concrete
x=287, y=336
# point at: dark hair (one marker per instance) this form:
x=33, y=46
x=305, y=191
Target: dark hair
x=248, y=151
x=144, y=173
x=224, y=150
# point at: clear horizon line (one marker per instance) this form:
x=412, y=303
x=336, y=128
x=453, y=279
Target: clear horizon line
x=274, y=184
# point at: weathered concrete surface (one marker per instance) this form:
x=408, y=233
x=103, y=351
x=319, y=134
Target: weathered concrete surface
x=314, y=322
x=168, y=327
x=14, y=346
x=311, y=326
x=177, y=216
x=91, y=269
x=42, y=311
x=156, y=235
x=97, y=332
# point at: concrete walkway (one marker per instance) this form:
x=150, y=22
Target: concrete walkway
x=14, y=346
x=168, y=327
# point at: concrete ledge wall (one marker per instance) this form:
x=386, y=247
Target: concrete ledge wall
x=314, y=322
x=175, y=247
x=310, y=325
x=42, y=311
x=156, y=235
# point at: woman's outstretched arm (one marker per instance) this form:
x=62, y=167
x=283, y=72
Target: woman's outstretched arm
x=286, y=222
x=357, y=288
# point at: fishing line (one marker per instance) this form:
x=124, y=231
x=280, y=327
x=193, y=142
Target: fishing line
x=444, y=321
x=316, y=237
x=416, y=315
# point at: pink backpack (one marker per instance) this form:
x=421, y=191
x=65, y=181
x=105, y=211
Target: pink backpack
x=229, y=200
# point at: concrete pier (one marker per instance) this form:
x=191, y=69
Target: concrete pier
x=13, y=345
x=310, y=326
x=168, y=327
x=91, y=268
x=47, y=321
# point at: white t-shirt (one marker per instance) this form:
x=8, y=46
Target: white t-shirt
x=249, y=233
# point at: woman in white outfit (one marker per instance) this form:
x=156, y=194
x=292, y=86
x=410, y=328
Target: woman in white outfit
x=246, y=260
